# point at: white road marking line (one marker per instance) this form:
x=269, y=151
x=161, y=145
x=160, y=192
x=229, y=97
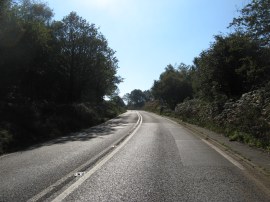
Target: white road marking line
x=60, y=181
x=74, y=186
x=118, y=127
x=234, y=162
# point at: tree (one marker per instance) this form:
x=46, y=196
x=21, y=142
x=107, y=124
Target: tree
x=135, y=99
x=118, y=101
x=54, y=75
x=30, y=10
x=24, y=49
x=87, y=63
x=148, y=95
x=173, y=86
x=232, y=66
x=62, y=61
x=255, y=21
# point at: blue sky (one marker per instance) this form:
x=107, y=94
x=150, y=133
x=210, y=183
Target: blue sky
x=147, y=35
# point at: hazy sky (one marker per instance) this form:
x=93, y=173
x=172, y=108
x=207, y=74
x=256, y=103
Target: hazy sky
x=150, y=34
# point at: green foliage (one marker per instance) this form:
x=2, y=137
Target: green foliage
x=229, y=83
x=173, y=86
x=152, y=106
x=195, y=111
x=136, y=98
x=116, y=106
x=248, y=139
x=245, y=119
x=156, y=107
x=62, y=61
x=5, y=140
x=24, y=125
x=232, y=66
x=53, y=74
x=255, y=20
x=88, y=66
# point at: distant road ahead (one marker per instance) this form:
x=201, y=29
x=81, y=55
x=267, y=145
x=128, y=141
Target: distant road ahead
x=159, y=161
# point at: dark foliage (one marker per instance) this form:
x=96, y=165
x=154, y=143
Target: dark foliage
x=173, y=86
x=233, y=65
x=254, y=21
x=137, y=98
x=53, y=74
x=228, y=85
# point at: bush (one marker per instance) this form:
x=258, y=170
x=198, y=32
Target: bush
x=25, y=124
x=5, y=139
x=195, y=111
x=246, y=119
x=152, y=106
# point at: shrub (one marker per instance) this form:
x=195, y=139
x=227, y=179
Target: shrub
x=246, y=119
x=30, y=123
x=5, y=139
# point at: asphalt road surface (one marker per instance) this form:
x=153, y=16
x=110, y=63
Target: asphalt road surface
x=138, y=156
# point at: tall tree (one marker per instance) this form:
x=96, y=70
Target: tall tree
x=174, y=85
x=62, y=61
x=88, y=63
x=24, y=46
x=255, y=21
x=135, y=99
x=232, y=66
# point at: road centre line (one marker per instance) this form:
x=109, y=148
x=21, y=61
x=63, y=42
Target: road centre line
x=88, y=174
x=49, y=189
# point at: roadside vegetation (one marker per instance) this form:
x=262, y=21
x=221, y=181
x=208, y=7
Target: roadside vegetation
x=227, y=88
x=54, y=75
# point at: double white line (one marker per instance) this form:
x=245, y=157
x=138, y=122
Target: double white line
x=88, y=174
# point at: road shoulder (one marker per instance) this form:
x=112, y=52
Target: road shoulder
x=255, y=161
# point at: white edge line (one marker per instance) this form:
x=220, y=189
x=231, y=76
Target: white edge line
x=234, y=162
x=74, y=186
x=230, y=159
x=60, y=181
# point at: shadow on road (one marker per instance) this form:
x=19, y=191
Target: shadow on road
x=105, y=129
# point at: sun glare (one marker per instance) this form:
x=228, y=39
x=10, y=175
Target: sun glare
x=103, y=3
x=113, y=8
x=109, y=5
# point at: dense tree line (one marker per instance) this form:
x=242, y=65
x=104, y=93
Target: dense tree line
x=137, y=98
x=227, y=87
x=233, y=64
x=62, y=61
x=173, y=86
x=46, y=65
x=254, y=21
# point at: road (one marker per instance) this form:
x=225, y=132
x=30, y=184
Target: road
x=158, y=161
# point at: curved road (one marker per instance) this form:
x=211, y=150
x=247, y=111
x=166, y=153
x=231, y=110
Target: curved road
x=159, y=161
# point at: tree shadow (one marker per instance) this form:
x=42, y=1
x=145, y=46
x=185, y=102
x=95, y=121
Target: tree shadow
x=104, y=129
